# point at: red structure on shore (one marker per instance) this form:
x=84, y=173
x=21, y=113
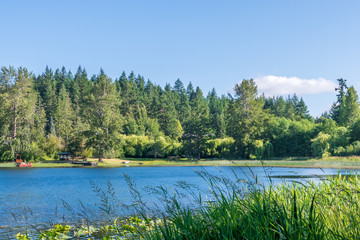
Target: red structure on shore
x=21, y=163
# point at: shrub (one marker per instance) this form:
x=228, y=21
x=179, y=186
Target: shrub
x=321, y=145
x=219, y=147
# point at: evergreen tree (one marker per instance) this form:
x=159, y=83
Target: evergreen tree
x=276, y=105
x=182, y=105
x=196, y=127
x=168, y=116
x=64, y=115
x=47, y=89
x=217, y=116
x=128, y=94
x=301, y=109
x=140, y=90
x=19, y=104
x=247, y=118
x=349, y=111
x=289, y=108
x=62, y=77
x=179, y=87
x=190, y=92
x=104, y=117
x=335, y=108
x=155, y=106
x=80, y=88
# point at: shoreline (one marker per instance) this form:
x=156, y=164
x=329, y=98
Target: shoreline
x=352, y=162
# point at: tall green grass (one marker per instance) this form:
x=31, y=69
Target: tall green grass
x=328, y=210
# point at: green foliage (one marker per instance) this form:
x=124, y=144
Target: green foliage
x=25, y=236
x=247, y=119
x=354, y=131
x=335, y=108
x=64, y=115
x=5, y=151
x=291, y=137
x=104, y=117
x=18, y=109
x=196, y=127
x=321, y=145
x=58, y=232
x=291, y=108
x=56, y=111
x=217, y=114
x=349, y=150
x=220, y=148
x=52, y=146
x=349, y=111
x=144, y=146
x=328, y=210
x=259, y=149
x=346, y=110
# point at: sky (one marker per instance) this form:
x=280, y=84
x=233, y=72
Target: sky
x=287, y=47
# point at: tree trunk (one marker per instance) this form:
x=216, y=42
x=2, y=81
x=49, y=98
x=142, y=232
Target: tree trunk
x=15, y=119
x=100, y=159
x=199, y=152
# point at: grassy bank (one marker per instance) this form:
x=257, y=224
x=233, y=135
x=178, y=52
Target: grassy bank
x=331, y=162
x=328, y=210
x=325, y=211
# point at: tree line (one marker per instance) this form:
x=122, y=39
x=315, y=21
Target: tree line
x=41, y=115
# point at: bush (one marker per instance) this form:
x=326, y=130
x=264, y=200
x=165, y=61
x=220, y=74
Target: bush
x=321, y=145
x=144, y=146
x=53, y=146
x=6, y=153
x=219, y=148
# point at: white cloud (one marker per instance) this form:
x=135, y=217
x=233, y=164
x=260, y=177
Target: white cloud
x=277, y=85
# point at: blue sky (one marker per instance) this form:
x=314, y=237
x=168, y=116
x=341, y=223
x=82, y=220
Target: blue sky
x=301, y=46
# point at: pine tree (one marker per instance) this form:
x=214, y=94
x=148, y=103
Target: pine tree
x=128, y=94
x=190, y=92
x=64, y=115
x=140, y=90
x=182, y=105
x=217, y=116
x=19, y=102
x=62, y=77
x=349, y=111
x=47, y=89
x=196, y=127
x=247, y=118
x=301, y=110
x=335, y=108
x=168, y=116
x=104, y=117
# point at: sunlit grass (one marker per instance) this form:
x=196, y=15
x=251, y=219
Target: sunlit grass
x=328, y=210
x=330, y=162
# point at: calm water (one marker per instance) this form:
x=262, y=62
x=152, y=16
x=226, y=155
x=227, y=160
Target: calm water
x=36, y=195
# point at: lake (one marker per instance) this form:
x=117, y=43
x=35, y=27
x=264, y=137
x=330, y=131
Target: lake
x=52, y=195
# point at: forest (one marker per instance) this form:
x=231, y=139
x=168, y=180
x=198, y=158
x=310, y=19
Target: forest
x=96, y=116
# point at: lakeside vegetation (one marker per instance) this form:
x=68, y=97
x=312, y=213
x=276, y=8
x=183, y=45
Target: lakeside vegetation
x=236, y=209
x=100, y=117
x=351, y=162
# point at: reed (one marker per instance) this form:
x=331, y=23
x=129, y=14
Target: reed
x=328, y=210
